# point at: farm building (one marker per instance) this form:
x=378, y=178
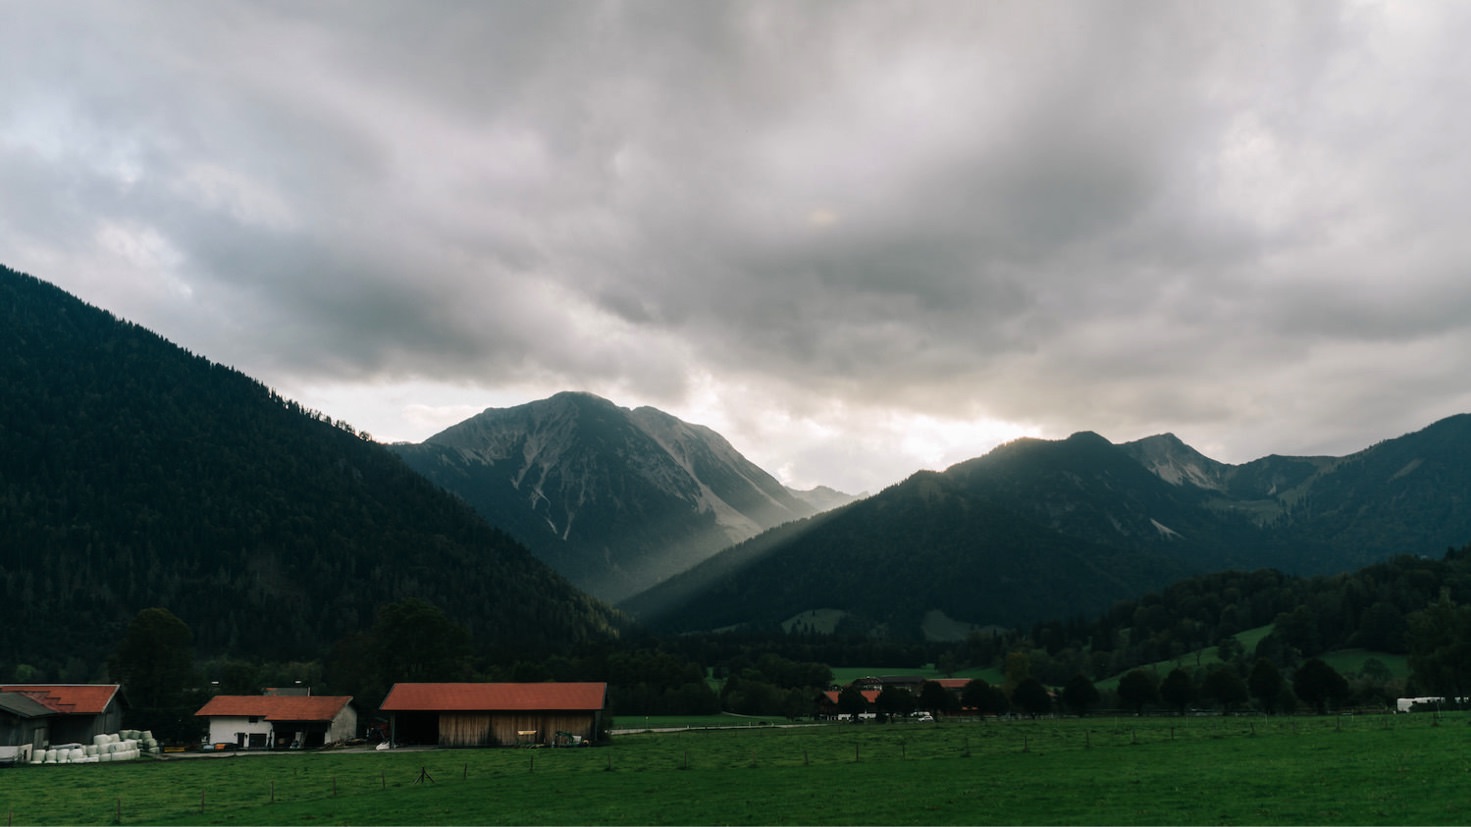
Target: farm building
x=826, y=703
x=38, y=714
x=495, y=714
x=280, y=721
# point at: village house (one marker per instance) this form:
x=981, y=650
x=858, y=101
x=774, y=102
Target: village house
x=495, y=714
x=280, y=721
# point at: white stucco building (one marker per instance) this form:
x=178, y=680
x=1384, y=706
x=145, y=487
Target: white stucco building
x=280, y=721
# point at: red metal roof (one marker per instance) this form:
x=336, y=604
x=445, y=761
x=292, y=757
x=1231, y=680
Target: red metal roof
x=68, y=699
x=870, y=695
x=276, y=707
x=494, y=697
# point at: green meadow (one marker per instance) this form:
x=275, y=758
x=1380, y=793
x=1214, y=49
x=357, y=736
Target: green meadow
x=1380, y=769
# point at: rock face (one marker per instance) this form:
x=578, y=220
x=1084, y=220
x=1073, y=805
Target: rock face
x=614, y=499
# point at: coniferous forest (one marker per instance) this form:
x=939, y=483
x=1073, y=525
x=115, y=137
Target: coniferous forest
x=133, y=474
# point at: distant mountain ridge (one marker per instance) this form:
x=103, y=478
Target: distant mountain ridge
x=614, y=499
x=1094, y=521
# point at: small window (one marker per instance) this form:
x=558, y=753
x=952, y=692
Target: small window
x=255, y=719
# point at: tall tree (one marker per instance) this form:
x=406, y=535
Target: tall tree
x=1079, y=693
x=155, y=660
x=936, y=698
x=1032, y=697
x=975, y=695
x=413, y=640
x=1226, y=687
x=154, y=663
x=852, y=703
x=1440, y=648
x=895, y=700
x=1177, y=690
x=1137, y=688
x=1265, y=683
x=1319, y=684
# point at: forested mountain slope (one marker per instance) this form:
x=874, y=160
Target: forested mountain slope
x=134, y=474
x=1040, y=529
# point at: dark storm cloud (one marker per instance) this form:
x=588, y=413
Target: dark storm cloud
x=1241, y=223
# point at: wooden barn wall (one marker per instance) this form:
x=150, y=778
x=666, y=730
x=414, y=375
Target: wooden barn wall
x=464, y=729
x=474, y=729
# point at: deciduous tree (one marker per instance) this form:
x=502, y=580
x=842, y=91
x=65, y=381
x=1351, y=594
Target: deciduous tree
x=1079, y=694
x=1319, y=684
x=1265, y=684
x=1177, y=690
x=1137, y=688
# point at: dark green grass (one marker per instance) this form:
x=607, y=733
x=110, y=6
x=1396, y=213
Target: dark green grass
x=1361, y=770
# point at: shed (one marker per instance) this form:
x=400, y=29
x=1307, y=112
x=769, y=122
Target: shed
x=76, y=712
x=495, y=714
x=24, y=723
x=271, y=721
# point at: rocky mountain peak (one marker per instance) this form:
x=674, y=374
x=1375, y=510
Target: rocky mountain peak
x=1170, y=459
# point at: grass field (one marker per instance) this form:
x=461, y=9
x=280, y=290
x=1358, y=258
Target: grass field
x=1349, y=770
x=845, y=675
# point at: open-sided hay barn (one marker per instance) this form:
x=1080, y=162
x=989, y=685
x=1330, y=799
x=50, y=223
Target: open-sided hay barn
x=495, y=714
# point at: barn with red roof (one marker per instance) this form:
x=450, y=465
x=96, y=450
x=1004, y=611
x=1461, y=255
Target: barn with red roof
x=495, y=714
x=280, y=721
x=58, y=713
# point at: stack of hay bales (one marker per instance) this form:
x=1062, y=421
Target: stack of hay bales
x=127, y=745
x=114, y=747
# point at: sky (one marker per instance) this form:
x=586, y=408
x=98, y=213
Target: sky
x=858, y=239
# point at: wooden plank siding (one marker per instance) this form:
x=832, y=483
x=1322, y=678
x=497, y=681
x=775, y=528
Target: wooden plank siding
x=503, y=729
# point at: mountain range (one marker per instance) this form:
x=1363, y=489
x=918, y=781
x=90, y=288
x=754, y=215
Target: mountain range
x=134, y=474
x=614, y=499
x=1039, y=529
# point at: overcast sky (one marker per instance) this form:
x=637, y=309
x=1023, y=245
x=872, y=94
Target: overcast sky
x=857, y=239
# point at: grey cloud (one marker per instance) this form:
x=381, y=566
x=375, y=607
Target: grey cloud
x=1125, y=217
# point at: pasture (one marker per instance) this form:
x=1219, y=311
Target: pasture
x=1408, y=769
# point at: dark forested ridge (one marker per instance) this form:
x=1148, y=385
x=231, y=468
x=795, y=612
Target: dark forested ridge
x=134, y=474
x=1039, y=529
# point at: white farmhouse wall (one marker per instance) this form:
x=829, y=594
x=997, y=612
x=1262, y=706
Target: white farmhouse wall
x=224, y=729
